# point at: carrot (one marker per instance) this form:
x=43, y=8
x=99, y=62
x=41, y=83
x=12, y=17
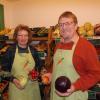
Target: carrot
x=60, y=60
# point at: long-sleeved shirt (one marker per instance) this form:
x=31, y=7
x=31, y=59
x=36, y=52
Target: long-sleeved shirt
x=86, y=63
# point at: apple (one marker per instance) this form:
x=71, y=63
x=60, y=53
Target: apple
x=45, y=80
x=34, y=74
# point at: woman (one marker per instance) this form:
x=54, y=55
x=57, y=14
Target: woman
x=20, y=60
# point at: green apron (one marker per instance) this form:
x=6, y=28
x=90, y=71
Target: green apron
x=23, y=62
x=65, y=67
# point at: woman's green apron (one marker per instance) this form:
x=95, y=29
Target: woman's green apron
x=21, y=67
x=65, y=67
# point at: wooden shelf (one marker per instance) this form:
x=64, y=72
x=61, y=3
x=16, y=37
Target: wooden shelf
x=39, y=38
x=33, y=39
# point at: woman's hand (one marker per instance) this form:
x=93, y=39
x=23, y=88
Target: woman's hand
x=69, y=91
x=30, y=78
x=17, y=84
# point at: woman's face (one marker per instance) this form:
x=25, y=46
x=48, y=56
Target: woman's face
x=22, y=38
x=67, y=28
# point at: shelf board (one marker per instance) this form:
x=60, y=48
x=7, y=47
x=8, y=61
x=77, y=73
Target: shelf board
x=39, y=38
x=33, y=39
x=93, y=38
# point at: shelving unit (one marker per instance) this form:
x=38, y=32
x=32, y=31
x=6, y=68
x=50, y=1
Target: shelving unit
x=39, y=38
x=47, y=60
x=48, y=39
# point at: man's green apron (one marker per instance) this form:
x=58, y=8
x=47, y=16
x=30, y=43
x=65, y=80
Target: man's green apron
x=65, y=67
x=23, y=62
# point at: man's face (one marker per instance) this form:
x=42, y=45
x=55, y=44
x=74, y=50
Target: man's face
x=67, y=28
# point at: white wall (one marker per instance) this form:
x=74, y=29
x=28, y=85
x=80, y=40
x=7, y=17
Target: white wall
x=46, y=12
x=8, y=14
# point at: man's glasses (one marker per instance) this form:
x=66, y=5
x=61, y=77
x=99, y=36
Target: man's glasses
x=66, y=24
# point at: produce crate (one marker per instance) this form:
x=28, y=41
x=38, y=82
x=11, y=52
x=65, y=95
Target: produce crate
x=95, y=42
x=42, y=54
x=3, y=87
x=3, y=37
x=94, y=93
x=57, y=40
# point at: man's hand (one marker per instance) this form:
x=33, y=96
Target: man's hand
x=69, y=91
x=46, y=78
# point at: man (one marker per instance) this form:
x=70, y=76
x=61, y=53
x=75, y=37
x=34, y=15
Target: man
x=79, y=61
